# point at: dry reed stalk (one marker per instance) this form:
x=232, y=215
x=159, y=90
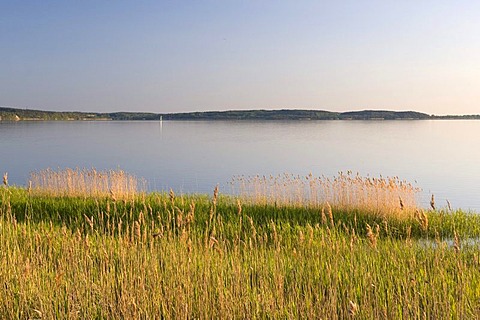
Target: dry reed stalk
x=422, y=218
x=310, y=234
x=275, y=237
x=112, y=195
x=352, y=308
x=324, y=217
x=252, y=227
x=372, y=237
x=408, y=238
x=330, y=215
x=215, y=196
x=136, y=225
x=456, y=242
x=239, y=207
x=353, y=239
x=89, y=221
x=424, y=221
x=191, y=213
x=301, y=236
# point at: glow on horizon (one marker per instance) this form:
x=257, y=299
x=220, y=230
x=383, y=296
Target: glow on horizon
x=157, y=56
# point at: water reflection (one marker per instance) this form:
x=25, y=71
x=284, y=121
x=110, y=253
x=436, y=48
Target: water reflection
x=195, y=156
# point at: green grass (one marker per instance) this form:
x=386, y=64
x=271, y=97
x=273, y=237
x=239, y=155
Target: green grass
x=158, y=257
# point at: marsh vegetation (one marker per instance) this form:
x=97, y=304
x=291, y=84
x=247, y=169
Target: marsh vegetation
x=260, y=254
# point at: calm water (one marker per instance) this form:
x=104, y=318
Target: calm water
x=443, y=157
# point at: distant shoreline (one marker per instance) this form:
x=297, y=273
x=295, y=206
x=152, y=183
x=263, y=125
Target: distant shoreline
x=17, y=114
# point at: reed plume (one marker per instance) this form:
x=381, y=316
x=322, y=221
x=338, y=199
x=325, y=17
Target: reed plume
x=372, y=237
x=422, y=218
x=449, y=206
x=215, y=196
x=330, y=215
x=456, y=242
x=352, y=308
x=5, y=179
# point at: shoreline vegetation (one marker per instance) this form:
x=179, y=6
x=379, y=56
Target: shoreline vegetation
x=17, y=114
x=88, y=244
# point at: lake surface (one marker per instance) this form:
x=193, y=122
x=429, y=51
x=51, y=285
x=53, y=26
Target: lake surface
x=441, y=157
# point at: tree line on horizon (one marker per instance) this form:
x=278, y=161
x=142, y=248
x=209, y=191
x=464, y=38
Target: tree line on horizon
x=16, y=114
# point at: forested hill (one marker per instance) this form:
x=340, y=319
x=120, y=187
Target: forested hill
x=28, y=114
x=15, y=114
x=255, y=115
x=387, y=115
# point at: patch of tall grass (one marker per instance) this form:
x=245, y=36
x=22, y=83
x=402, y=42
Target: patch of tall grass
x=163, y=255
x=383, y=196
x=85, y=182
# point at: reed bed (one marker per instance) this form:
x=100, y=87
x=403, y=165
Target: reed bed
x=384, y=196
x=179, y=256
x=169, y=256
x=85, y=182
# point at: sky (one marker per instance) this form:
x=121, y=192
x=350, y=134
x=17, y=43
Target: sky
x=180, y=56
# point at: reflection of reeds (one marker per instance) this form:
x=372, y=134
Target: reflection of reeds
x=345, y=191
x=85, y=182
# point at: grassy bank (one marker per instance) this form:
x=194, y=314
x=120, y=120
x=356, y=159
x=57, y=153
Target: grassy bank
x=195, y=256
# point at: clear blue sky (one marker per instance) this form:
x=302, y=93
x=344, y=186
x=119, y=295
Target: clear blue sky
x=169, y=56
